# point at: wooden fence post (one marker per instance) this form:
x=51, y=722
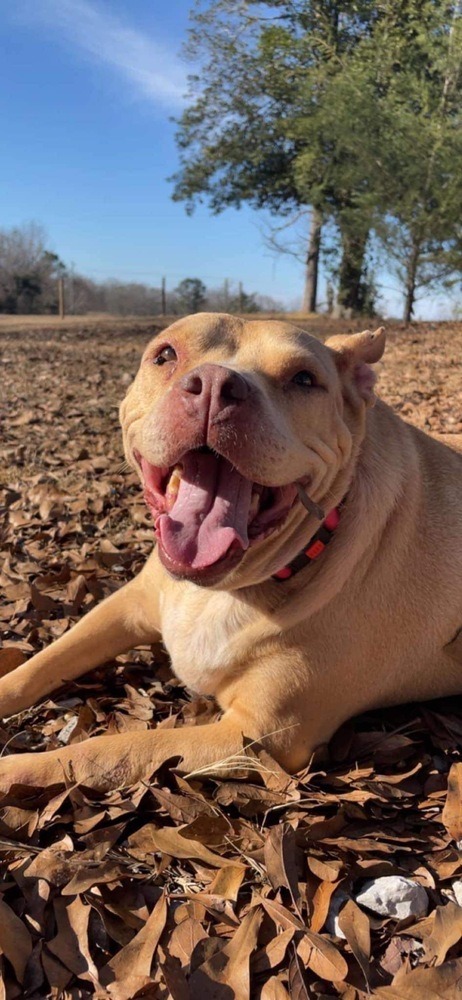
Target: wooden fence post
x=62, y=311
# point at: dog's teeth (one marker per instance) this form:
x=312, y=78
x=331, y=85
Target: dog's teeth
x=173, y=486
x=254, y=505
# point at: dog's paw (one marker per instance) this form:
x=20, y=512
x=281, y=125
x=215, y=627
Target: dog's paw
x=20, y=772
x=102, y=763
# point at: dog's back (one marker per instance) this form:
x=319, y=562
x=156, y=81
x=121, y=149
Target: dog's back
x=453, y=441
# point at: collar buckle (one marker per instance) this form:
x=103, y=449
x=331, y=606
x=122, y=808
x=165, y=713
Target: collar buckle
x=314, y=549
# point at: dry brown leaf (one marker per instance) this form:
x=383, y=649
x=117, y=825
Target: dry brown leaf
x=320, y=955
x=23, y=822
x=281, y=916
x=170, y=841
x=184, y=939
x=217, y=907
x=130, y=969
x=48, y=811
x=274, y=952
x=447, y=931
x=251, y=800
x=273, y=989
x=70, y=945
x=56, y=864
x=86, y=877
x=442, y=983
x=356, y=928
x=298, y=986
x=10, y=658
x=227, y=882
x=182, y=808
x=452, y=812
x=41, y=601
x=55, y=972
x=280, y=859
x=15, y=940
x=173, y=976
x=230, y=967
x=320, y=903
x=326, y=870
x=209, y=830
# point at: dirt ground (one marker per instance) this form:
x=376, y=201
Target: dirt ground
x=202, y=889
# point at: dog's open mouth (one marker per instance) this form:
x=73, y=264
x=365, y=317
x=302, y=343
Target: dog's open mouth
x=206, y=512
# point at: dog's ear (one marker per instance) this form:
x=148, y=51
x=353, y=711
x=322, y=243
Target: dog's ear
x=355, y=353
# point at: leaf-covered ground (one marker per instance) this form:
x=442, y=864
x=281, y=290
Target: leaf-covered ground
x=201, y=888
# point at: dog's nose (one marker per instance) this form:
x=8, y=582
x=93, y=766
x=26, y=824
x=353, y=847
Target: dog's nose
x=221, y=386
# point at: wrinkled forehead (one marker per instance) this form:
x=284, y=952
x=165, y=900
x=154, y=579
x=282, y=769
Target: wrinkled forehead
x=265, y=345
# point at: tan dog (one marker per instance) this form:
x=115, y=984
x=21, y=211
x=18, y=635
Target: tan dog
x=225, y=421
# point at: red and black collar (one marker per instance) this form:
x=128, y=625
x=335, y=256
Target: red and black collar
x=314, y=549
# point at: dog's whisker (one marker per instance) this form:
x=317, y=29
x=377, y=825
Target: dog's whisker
x=123, y=467
x=309, y=504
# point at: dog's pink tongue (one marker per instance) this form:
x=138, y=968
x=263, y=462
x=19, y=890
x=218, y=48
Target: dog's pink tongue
x=210, y=513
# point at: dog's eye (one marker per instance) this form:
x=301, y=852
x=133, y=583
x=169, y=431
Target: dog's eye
x=305, y=379
x=165, y=355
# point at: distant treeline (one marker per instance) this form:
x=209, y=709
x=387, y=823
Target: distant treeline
x=136, y=299
x=30, y=275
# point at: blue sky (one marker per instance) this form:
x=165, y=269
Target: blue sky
x=87, y=91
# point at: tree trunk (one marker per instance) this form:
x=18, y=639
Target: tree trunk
x=411, y=276
x=310, y=290
x=351, y=288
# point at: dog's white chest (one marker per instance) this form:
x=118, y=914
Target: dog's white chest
x=200, y=631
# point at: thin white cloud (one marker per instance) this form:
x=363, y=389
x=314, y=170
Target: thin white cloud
x=153, y=71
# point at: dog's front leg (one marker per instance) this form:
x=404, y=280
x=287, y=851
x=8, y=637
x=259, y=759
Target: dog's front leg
x=105, y=763
x=126, y=619
x=269, y=703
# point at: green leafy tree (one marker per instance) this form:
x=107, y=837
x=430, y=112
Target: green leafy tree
x=191, y=294
x=348, y=110
x=420, y=182
x=255, y=112
x=398, y=145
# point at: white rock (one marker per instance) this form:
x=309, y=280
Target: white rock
x=457, y=890
x=66, y=732
x=337, y=902
x=394, y=896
